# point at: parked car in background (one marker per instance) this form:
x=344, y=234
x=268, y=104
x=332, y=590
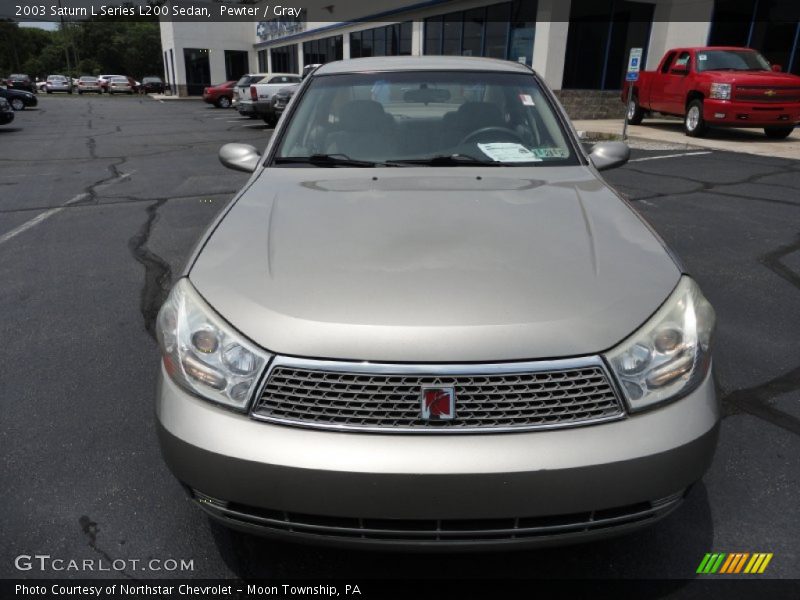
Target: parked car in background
x=19, y=81
x=40, y=85
x=242, y=92
x=152, y=85
x=220, y=95
x=104, y=79
x=261, y=94
x=18, y=99
x=6, y=112
x=718, y=86
x=88, y=84
x=58, y=83
x=280, y=99
x=135, y=85
x=120, y=85
x=428, y=322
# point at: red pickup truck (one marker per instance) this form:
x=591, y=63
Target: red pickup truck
x=718, y=85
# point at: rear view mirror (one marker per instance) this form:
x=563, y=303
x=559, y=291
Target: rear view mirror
x=239, y=157
x=609, y=155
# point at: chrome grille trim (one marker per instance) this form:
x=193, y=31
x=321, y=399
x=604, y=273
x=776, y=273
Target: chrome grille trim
x=605, y=405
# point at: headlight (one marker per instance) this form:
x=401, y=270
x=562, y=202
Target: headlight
x=670, y=355
x=204, y=354
x=720, y=91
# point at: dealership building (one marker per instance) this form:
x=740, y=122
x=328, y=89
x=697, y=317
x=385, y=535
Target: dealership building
x=578, y=46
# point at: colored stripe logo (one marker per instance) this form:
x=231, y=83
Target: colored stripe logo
x=734, y=563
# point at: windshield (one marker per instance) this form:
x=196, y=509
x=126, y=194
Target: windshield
x=731, y=60
x=425, y=117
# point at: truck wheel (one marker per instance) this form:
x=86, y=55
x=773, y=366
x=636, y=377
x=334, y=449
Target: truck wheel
x=778, y=133
x=693, y=123
x=224, y=102
x=635, y=112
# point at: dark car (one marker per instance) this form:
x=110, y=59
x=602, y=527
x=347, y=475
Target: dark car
x=280, y=100
x=152, y=85
x=6, y=112
x=18, y=99
x=19, y=81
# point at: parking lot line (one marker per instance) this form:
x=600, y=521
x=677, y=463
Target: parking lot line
x=41, y=217
x=669, y=156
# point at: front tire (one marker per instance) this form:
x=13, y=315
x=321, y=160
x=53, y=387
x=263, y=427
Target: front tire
x=635, y=112
x=224, y=102
x=778, y=133
x=693, y=123
x=17, y=104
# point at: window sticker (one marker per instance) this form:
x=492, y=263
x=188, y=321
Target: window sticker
x=508, y=152
x=701, y=57
x=527, y=100
x=550, y=152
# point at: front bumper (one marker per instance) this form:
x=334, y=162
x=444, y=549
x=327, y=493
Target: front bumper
x=481, y=490
x=750, y=114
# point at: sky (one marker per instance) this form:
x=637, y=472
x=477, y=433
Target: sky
x=50, y=26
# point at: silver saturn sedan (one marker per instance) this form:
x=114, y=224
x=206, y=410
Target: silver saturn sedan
x=427, y=322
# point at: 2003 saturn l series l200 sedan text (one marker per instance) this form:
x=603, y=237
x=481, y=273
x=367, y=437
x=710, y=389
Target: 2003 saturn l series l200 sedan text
x=426, y=321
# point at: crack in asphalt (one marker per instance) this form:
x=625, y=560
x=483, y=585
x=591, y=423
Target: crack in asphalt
x=772, y=260
x=90, y=529
x=157, y=272
x=755, y=400
x=708, y=187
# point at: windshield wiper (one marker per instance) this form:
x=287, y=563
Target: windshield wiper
x=444, y=160
x=328, y=160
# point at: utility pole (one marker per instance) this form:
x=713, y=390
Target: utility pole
x=66, y=42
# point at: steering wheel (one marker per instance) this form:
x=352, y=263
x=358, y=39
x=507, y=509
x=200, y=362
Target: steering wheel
x=493, y=129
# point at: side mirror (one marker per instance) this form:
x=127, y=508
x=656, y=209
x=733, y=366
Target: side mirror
x=777, y=68
x=239, y=157
x=609, y=155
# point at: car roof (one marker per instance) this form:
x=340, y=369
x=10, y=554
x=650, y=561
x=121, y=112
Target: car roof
x=421, y=63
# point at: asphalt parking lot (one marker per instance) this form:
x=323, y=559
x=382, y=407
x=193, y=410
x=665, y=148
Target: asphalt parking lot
x=101, y=201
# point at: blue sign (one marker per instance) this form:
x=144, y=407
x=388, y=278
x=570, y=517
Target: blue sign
x=632, y=76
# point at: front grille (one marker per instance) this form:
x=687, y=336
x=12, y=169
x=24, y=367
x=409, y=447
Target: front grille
x=441, y=531
x=390, y=401
x=767, y=94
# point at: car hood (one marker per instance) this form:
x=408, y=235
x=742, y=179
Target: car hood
x=753, y=78
x=433, y=264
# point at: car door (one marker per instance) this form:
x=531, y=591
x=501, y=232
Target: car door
x=657, y=83
x=675, y=83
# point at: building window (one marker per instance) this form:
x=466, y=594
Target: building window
x=284, y=59
x=601, y=34
x=198, y=71
x=263, y=66
x=770, y=26
x=505, y=30
x=390, y=40
x=322, y=51
x=237, y=63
